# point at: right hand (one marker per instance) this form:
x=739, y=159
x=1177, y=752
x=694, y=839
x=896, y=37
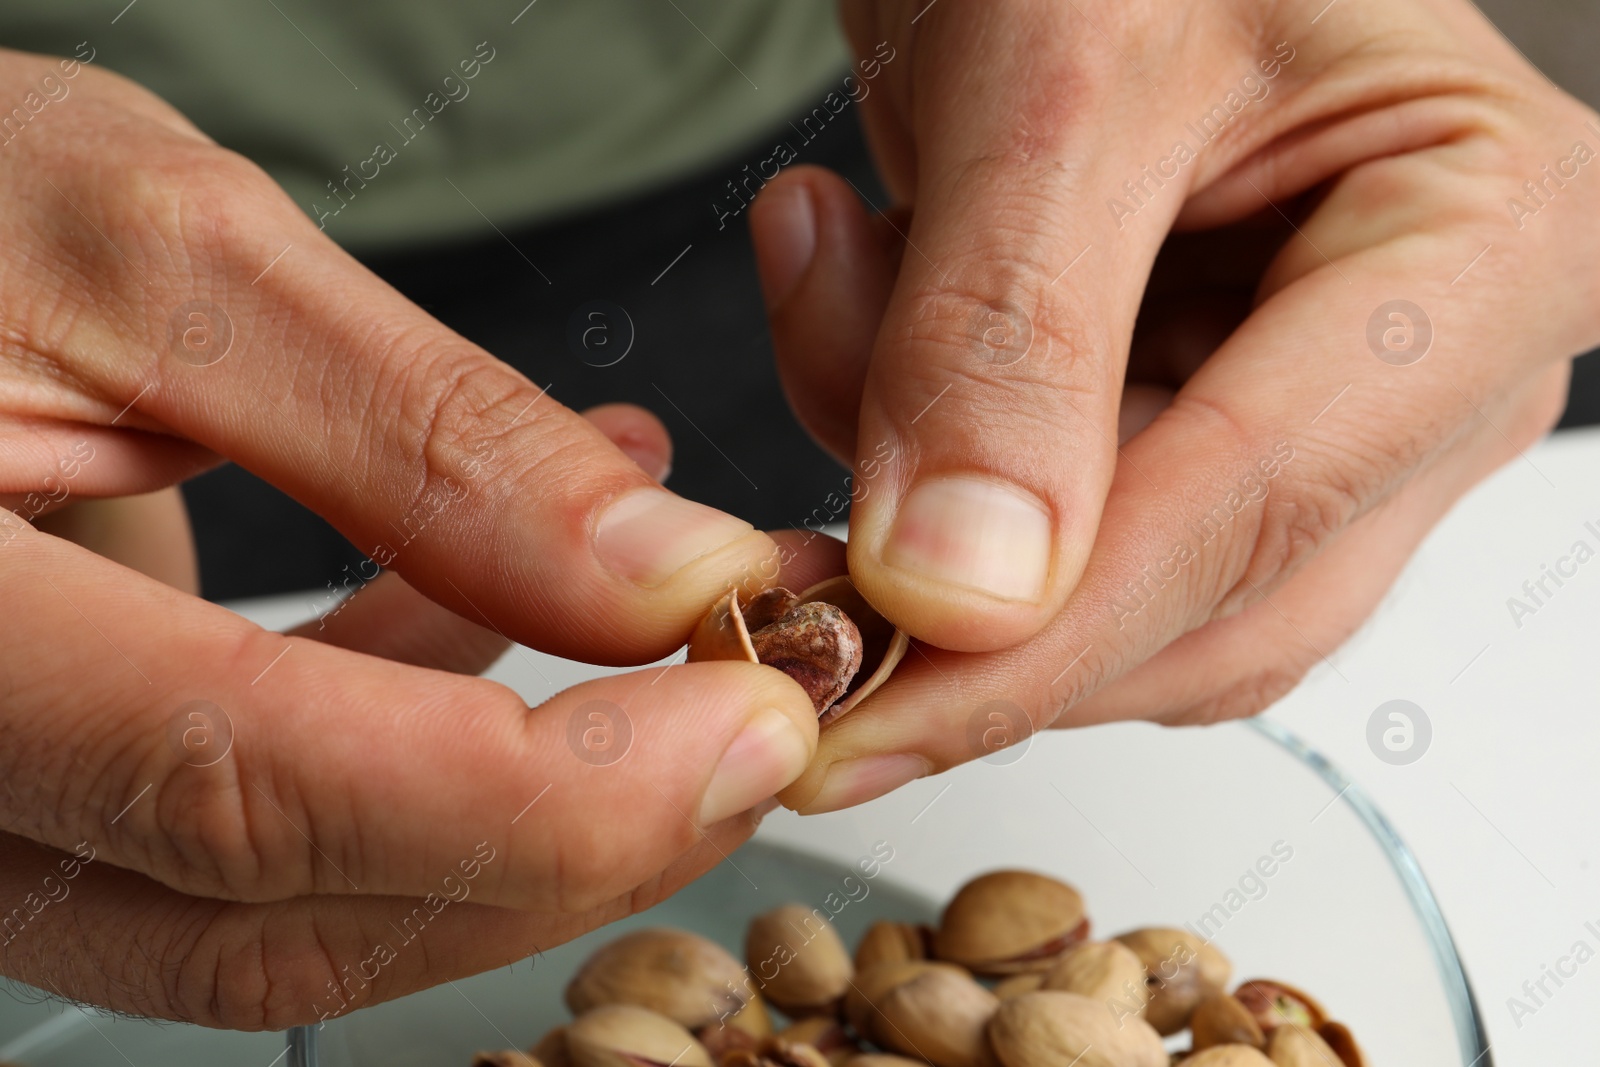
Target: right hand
x=231, y=884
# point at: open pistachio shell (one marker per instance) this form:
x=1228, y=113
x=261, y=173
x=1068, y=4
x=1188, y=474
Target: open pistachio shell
x=1295, y=1046
x=1010, y=922
x=1275, y=1003
x=828, y=639
x=1343, y=1043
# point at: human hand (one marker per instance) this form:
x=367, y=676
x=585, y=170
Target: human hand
x=210, y=822
x=1204, y=217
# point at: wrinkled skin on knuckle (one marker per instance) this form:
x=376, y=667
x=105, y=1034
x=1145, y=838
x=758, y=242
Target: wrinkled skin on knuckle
x=1296, y=521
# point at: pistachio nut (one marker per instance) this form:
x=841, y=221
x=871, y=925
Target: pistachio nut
x=871, y=986
x=827, y=638
x=690, y=980
x=1292, y=1045
x=1102, y=970
x=1275, y=1003
x=1051, y=1027
x=1018, y=984
x=551, y=1051
x=1182, y=971
x=1222, y=1020
x=626, y=1035
x=1343, y=1043
x=1010, y=922
x=1227, y=1056
x=505, y=1058
x=826, y=1035
x=938, y=1016
x=890, y=942
x=799, y=959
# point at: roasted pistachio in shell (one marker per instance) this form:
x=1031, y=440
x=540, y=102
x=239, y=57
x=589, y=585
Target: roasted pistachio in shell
x=938, y=1015
x=1275, y=1003
x=1227, y=1056
x=505, y=1058
x=626, y=1035
x=1182, y=970
x=1222, y=1020
x=1054, y=1028
x=870, y=986
x=689, y=979
x=827, y=638
x=1295, y=1046
x=799, y=959
x=890, y=942
x=1102, y=970
x=1010, y=922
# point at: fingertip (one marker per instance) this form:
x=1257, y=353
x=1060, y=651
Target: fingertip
x=783, y=228
x=966, y=563
x=638, y=434
x=769, y=751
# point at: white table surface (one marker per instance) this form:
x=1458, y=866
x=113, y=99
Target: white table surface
x=1500, y=810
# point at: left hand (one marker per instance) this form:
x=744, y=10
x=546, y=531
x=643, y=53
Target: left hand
x=1053, y=262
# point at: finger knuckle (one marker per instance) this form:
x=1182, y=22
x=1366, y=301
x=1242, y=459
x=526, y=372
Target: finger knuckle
x=205, y=203
x=1249, y=695
x=1297, y=520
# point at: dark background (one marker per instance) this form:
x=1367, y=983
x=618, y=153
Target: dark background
x=701, y=360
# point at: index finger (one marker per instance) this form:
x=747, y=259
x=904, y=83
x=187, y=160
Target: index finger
x=233, y=322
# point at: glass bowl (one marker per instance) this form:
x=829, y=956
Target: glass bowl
x=1155, y=826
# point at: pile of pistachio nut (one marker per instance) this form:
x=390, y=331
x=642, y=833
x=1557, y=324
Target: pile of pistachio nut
x=1009, y=978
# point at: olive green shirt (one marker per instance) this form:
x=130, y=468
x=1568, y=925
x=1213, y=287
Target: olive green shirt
x=392, y=121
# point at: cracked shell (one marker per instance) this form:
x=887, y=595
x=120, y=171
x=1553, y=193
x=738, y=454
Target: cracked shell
x=887, y=941
x=1010, y=922
x=1295, y=1046
x=827, y=638
x=1222, y=1020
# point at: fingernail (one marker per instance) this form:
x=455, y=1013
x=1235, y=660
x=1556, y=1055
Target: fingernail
x=788, y=225
x=856, y=781
x=769, y=753
x=975, y=533
x=648, y=535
